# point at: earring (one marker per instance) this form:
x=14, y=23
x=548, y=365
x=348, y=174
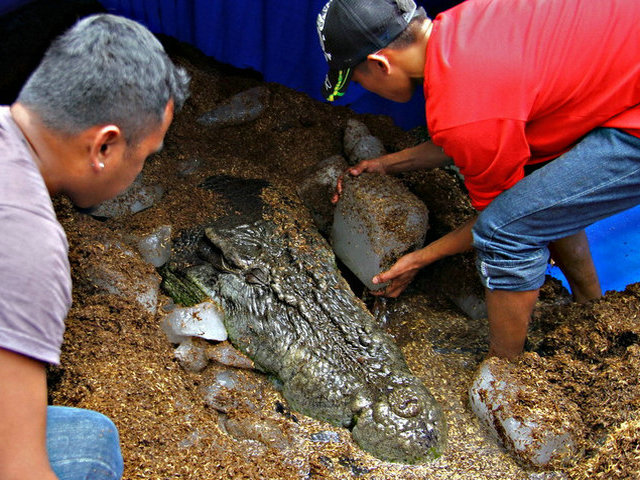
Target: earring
x=100, y=165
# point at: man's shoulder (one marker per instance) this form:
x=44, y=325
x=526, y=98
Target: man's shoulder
x=35, y=285
x=21, y=184
x=31, y=231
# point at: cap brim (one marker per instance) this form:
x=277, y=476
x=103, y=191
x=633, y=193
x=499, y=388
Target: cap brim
x=336, y=83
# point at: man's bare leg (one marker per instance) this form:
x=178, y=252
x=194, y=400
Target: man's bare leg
x=573, y=256
x=509, y=315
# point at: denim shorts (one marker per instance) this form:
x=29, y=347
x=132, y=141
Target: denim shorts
x=597, y=178
x=82, y=444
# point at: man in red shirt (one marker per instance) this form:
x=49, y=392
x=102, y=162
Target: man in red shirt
x=512, y=87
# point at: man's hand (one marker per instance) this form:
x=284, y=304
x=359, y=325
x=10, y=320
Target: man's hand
x=374, y=165
x=401, y=274
x=426, y=155
x=405, y=269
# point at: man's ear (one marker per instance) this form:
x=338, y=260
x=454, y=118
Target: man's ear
x=379, y=61
x=105, y=140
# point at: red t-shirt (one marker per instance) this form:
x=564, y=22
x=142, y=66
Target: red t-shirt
x=515, y=82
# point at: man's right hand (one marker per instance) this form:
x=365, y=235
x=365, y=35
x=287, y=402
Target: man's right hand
x=374, y=165
x=426, y=155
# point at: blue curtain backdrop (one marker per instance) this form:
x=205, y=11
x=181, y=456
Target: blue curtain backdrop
x=9, y=5
x=274, y=37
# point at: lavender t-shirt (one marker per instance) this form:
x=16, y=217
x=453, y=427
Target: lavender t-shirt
x=35, y=280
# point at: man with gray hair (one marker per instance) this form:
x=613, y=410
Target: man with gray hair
x=98, y=104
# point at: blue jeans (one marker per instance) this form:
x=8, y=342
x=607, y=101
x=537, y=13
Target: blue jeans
x=597, y=178
x=82, y=445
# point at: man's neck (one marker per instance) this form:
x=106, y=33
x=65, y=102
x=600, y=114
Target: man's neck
x=46, y=147
x=412, y=58
x=421, y=44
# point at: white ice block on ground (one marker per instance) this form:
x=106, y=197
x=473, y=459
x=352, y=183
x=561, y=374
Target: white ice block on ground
x=136, y=198
x=125, y=280
x=155, y=247
x=203, y=320
x=376, y=221
x=532, y=433
x=359, y=144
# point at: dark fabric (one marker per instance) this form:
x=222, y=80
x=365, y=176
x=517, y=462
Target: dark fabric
x=9, y=5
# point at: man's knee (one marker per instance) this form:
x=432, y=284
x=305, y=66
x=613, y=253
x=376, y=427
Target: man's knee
x=506, y=260
x=83, y=444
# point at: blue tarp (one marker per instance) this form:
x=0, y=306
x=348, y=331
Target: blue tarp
x=274, y=37
x=615, y=247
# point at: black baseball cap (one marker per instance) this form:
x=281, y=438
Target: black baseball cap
x=350, y=30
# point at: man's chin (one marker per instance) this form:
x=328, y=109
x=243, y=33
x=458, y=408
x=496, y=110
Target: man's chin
x=85, y=205
x=405, y=98
x=85, y=210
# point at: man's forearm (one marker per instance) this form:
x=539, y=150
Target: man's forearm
x=421, y=157
x=457, y=241
x=23, y=417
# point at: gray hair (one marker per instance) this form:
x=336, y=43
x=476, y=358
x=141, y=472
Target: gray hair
x=106, y=69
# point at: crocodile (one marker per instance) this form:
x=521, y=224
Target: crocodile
x=288, y=308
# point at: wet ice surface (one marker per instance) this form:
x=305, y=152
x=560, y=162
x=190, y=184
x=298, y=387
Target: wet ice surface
x=240, y=108
x=136, y=198
x=376, y=221
x=155, y=247
x=203, y=320
x=536, y=436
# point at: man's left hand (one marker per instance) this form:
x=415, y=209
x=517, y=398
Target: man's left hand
x=399, y=275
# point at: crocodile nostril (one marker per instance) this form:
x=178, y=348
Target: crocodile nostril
x=360, y=402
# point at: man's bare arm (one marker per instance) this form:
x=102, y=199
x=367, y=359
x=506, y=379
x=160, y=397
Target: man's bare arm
x=23, y=418
x=424, y=156
x=405, y=269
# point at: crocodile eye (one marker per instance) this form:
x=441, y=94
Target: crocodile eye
x=256, y=276
x=405, y=403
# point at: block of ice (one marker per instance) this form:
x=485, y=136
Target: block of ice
x=136, y=198
x=122, y=280
x=376, y=221
x=359, y=144
x=240, y=108
x=155, y=247
x=191, y=356
x=203, y=320
x=533, y=436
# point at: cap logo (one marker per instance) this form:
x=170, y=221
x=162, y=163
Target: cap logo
x=322, y=16
x=343, y=75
